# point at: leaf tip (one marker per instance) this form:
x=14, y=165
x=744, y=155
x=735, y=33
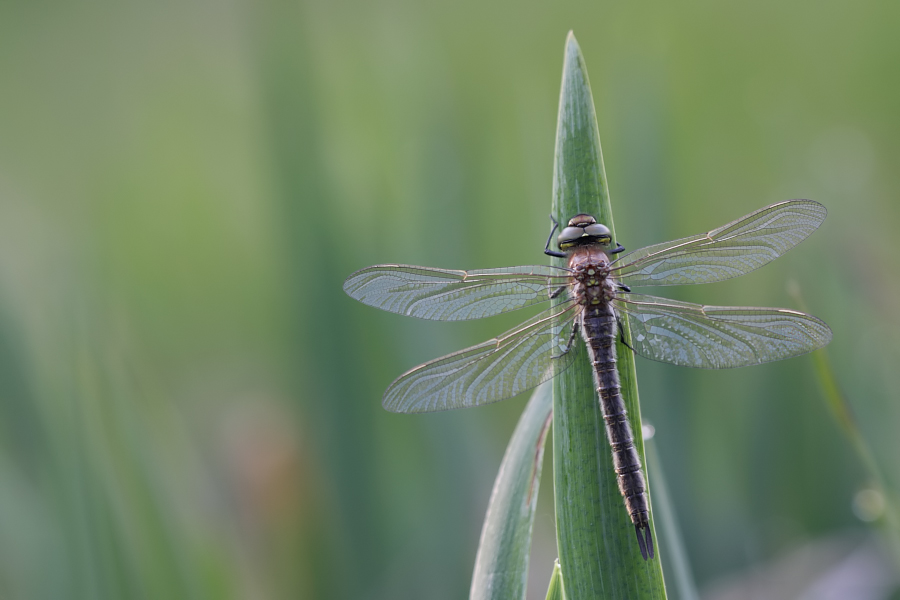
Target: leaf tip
x=572, y=43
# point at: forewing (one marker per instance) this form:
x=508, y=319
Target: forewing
x=446, y=295
x=497, y=369
x=718, y=337
x=731, y=250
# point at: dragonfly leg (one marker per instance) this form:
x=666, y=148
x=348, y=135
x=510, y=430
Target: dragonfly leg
x=547, y=249
x=570, y=342
x=619, y=248
x=622, y=332
x=558, y=291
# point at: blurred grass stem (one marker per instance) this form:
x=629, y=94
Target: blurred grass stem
x=671, y=539
x=839, y=407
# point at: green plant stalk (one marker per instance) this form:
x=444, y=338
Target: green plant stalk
x=598, y=550
x=501, y=565
x=680, y=576
x=839, y=407
x=556, y=590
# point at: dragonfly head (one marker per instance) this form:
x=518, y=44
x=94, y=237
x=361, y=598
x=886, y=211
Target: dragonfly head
x=582, y=230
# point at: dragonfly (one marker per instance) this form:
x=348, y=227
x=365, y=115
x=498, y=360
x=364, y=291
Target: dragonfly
x=588, y=299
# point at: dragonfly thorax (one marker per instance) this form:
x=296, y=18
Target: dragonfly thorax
x=590, y=270
x=591, y=273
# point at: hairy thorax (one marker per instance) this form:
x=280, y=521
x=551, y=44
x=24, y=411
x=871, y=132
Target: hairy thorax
x=590, y=269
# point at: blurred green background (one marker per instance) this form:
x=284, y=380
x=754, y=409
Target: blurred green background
x=190, y=405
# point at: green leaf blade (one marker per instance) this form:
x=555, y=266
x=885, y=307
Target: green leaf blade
x=556, y=590
x=597, y=545
x=678, y=566
x=501, y=565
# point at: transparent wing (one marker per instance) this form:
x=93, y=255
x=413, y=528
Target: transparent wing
x=718, y=337
x=497, y=369
x=446, y=295
x=729, y=251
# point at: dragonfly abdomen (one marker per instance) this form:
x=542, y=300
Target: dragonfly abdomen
x=599, y=327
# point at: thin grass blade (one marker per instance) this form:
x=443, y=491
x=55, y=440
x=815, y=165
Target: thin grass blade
x=838, y=405
x=501, y=565
x=556, y=591
x=671, y=540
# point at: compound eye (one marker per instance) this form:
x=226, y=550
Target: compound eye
x=569, y=235
x=597, y=230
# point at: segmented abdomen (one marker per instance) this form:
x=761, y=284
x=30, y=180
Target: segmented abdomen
x=599, y=331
